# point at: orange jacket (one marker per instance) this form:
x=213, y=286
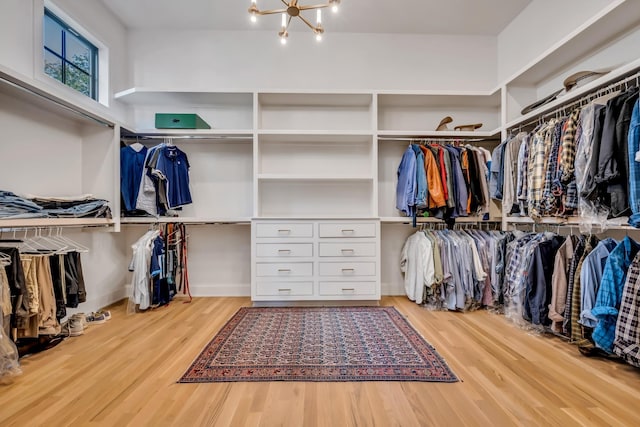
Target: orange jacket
x=434, y=182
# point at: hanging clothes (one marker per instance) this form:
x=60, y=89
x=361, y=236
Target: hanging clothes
x=448, y=269
x=164, y=184
x=158, y=264
x=132, y=159
x=443, y=181
x=610, y=292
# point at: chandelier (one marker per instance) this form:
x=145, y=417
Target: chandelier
x=292, y=10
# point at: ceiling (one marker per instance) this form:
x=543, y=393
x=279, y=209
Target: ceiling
x=468, y=17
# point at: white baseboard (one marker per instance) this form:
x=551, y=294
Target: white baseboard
x=392, y=289
x=244, y=290
x=208, y=290
x=221, y=290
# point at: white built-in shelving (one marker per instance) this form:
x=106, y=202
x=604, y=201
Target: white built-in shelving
x=52, y=147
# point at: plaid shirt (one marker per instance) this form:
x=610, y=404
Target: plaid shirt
x=610, y=292
x=548, y=204
x=627, y=339
x=536, y=168
x=569, y=148
x=577, y=254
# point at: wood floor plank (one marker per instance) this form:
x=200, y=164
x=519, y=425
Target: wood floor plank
x=124, y=372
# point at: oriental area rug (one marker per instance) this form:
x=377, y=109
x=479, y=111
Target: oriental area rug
x=318, y=344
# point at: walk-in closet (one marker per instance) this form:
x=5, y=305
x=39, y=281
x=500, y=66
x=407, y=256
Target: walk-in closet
x=346, y=212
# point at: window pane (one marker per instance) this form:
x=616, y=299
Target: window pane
x=53, y=65
x=78, y=53
x=53, y=35
x=78, y=80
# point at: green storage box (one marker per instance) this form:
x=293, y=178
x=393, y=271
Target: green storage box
x=180, y=121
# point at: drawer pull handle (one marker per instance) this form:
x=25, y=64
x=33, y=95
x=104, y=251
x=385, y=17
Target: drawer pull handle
x=348, y=289
x=284, y=251
x=348, y=270
x=284, y=270
x=284, y=289
x=284, y=231
x=348, y=251
x=350, y=231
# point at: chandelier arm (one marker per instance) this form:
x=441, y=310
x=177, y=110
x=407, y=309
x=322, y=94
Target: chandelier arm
x=289, y=22
x=285, y=3
x=270, y=12
x=313, y=6
x=308, y=23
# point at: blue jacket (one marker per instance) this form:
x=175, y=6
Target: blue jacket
x=407, y=186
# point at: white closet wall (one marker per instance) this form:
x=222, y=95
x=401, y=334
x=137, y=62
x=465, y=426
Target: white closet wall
x=227, y=60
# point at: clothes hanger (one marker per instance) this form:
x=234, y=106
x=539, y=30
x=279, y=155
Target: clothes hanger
x=46, y=243
x=74, y=245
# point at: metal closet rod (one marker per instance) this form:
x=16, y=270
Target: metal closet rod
x=58, y=103
x=147, y=137
x=437, y=140
x=584, y=99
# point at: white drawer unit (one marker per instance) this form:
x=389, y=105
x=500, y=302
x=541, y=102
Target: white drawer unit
x=347, y=289
x=284, y=250
x=284, y=230
x=315, y=260
x=284, y=289
x=347, y=269
x=291, y=269
x=347, y=249
x=346, y=229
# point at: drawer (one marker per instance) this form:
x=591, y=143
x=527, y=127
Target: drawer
x=347, y=249
x=347, y=269
x=279, y=269
x=284, y=230
x=284, y=288
x=347, y=288
x=284, y=250
x=347, y=230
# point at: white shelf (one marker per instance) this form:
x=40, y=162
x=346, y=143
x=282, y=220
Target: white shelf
x=612, y=224
x=35, y=93
x=315, y=99
x=613, y=21
x=399, y=112
x=196, y=132
x=308, y=217
x=312, y=133
x=439, y=100
x=576, y=93
x=148, y=96
x=426, y=220
x=439, y=134
x=184, y=220
x=312, y=178
x=56, y=222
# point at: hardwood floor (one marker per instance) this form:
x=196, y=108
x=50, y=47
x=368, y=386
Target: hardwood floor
x=124, y=372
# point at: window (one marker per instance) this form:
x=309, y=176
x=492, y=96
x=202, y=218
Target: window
x=69, y=57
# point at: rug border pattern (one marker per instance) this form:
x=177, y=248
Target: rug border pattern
x=320, y=373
